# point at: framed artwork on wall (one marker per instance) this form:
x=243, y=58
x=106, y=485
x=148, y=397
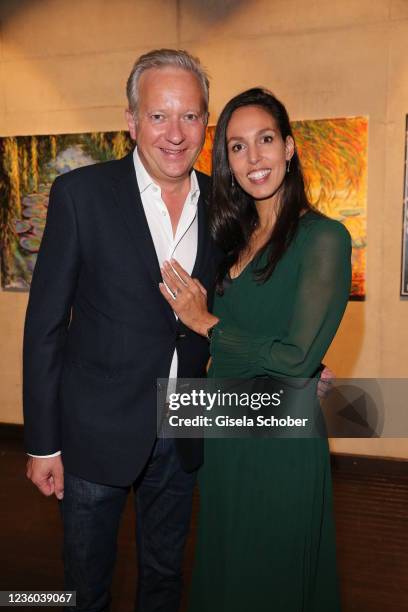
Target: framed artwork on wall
x=404, y=264
x=29, y=165
x=333, y=153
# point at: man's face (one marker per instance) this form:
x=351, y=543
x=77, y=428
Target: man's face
x=169, y=127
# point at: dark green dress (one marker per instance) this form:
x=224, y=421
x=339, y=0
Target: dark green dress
x=266, y=539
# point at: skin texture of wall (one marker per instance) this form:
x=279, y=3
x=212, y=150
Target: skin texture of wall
x=63, y=68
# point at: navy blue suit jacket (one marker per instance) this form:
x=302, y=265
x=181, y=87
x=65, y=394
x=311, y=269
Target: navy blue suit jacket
x=98, y=332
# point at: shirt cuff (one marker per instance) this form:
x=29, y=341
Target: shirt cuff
x=45, y=456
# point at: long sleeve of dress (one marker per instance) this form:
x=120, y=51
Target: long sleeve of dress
x=321, y=295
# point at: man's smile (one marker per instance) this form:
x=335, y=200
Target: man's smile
x=173, y=152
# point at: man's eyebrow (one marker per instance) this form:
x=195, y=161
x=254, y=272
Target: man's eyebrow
x=152, y=111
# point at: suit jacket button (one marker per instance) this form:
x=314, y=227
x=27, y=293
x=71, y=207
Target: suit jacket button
x=180, y=336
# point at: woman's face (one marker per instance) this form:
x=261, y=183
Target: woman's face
x=257, y=154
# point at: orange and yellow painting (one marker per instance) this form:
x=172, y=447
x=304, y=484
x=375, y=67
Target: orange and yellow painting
x=333, y=153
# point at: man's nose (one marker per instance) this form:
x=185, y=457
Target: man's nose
x=175, y=132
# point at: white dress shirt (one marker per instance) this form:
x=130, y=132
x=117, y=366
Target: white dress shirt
x=181, y=246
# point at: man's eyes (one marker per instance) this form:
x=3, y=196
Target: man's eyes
x=189, y=117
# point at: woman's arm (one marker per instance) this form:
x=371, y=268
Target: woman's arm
x=321, y=298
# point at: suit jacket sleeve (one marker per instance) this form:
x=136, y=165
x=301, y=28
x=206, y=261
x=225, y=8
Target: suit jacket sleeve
x=47, y=321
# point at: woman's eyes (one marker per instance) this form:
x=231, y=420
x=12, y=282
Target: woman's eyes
x=238, y=146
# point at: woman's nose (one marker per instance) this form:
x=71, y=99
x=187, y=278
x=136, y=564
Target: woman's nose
x=253, y=154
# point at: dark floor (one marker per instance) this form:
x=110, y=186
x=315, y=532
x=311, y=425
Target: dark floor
x=371, y=502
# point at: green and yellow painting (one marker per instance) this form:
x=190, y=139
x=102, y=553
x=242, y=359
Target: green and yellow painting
x=333, y=153
x=29, y=164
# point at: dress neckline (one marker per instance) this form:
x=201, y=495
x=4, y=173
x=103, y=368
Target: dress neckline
x=234, y=278
x=231, y=279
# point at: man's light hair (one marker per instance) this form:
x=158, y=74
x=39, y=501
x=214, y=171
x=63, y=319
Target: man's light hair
x=163, y=58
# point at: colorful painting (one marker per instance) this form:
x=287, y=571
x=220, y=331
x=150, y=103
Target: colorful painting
x=29, y=166
x=404, y=266
x=203, y=163
x=333, y=153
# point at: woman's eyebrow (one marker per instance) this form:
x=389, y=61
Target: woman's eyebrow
x=268, y=129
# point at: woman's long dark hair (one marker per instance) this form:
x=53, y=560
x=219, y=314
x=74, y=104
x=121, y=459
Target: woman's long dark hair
x=233, y=215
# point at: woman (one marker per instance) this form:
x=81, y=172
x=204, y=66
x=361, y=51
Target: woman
x=266, y=535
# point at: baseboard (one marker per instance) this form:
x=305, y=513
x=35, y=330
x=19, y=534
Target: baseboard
x=11, y=431
x=341, y=462
x=366, y=464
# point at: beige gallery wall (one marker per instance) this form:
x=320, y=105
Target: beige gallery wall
x=63, y=67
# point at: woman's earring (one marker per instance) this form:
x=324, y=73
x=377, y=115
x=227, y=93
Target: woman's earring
x=288, y=165
x=232, y=179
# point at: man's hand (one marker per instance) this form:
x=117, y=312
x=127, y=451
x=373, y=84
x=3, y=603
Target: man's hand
x=47, y=474
x=325, y=382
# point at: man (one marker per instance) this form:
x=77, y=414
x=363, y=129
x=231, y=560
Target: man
x=99, y=333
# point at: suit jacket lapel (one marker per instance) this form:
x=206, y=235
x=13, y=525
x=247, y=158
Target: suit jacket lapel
x=130, y=205
x=202, y=234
